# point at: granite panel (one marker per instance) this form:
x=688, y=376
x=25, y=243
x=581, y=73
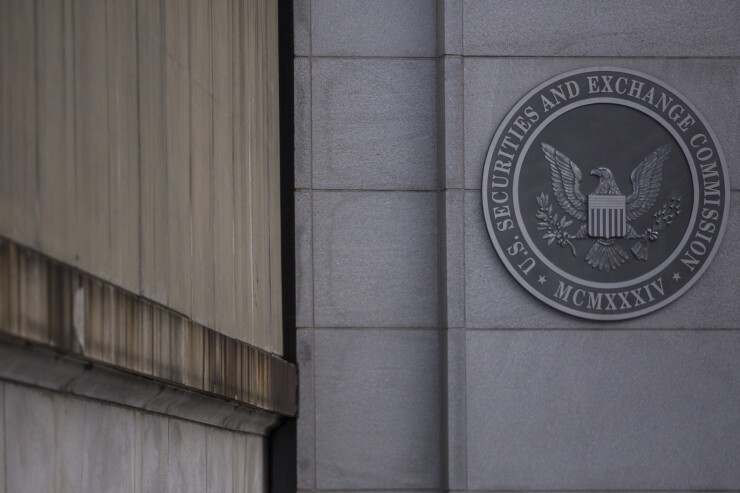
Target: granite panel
x=400, y=28
x=679, y=28
x=69, y=449
x=109, y=448
x=603, y=410
x=374, y=124
x=450, y=80
x=152, y=452
x=455, y=401
x=375, y=259
x=29, y=439
x=302, y=122
x=454, y=255
x=493, y=87
x=377, y=409
x=302, y=27
x=303, y=259
x=306, y=433
x=187, y=457
x=449, y=27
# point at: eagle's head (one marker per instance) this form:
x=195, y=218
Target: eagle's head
x=603, y=173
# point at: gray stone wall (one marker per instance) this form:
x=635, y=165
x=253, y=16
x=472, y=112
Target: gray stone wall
x=423, y=364
x=54, y=442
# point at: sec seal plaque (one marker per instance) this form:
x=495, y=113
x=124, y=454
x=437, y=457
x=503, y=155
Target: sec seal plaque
x=605, y=193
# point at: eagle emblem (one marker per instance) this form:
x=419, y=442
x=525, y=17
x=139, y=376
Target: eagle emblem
x=605, y=214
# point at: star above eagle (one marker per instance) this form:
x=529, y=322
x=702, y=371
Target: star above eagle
x=605, y=254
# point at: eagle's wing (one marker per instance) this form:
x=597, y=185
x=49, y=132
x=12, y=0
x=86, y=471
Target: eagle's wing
x=566, y=182
x=646, y=179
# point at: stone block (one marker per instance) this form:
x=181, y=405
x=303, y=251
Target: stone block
x=306, y=434
x=455, y=401
x=302, y=27
x=616, y=28
x=255, y=464
x=603, y=410
x=187, y=457
x=152, y=450
x=450, y=81
x=493, y=87
x=375, y=259
x=377, y=409
x=69, y=449
x=219, y=451
x=303, y=259
x=400, y=28
x=29, y=440
x=374, y=124
x=109, y=433
x=454, y=265
x=449, y=27
x=302, y=122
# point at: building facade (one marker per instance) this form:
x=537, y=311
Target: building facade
x=424, y=365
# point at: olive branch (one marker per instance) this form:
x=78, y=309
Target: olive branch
x=554, y=228
x=661, y=220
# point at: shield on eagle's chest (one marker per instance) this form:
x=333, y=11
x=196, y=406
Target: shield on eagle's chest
x=607, y=216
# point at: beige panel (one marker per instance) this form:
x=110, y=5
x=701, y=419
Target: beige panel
x=56, y=129
x=223, y=162
x=201, y=161
x=157, y=165
x=18, y=212
x=91, y=139
x=153, y=151
x=123, y=131
x=242, y=174
x=276, y=297
x=177, y=122
x=259, y=169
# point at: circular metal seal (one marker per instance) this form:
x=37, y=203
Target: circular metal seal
x=605, y=193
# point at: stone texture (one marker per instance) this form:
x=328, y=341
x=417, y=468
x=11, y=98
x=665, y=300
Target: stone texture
x=306, y=433
x=494, y=299
x=454, y=265
x=616, y=410
x=152, y=453
x=302, y=27
x=493, y=86
x=69, y=449
x=377, y=401
x=29, y=431
x=303, y=259
x=187, y=457
x=256, y=465
x=616, y=28
x=302, y=122
x=449, y=27
x=219, y=449
x=109, y=448
x=450, y=127
x=374, y=124
x=375, y=259
x=454, y=408
x=373, y=28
